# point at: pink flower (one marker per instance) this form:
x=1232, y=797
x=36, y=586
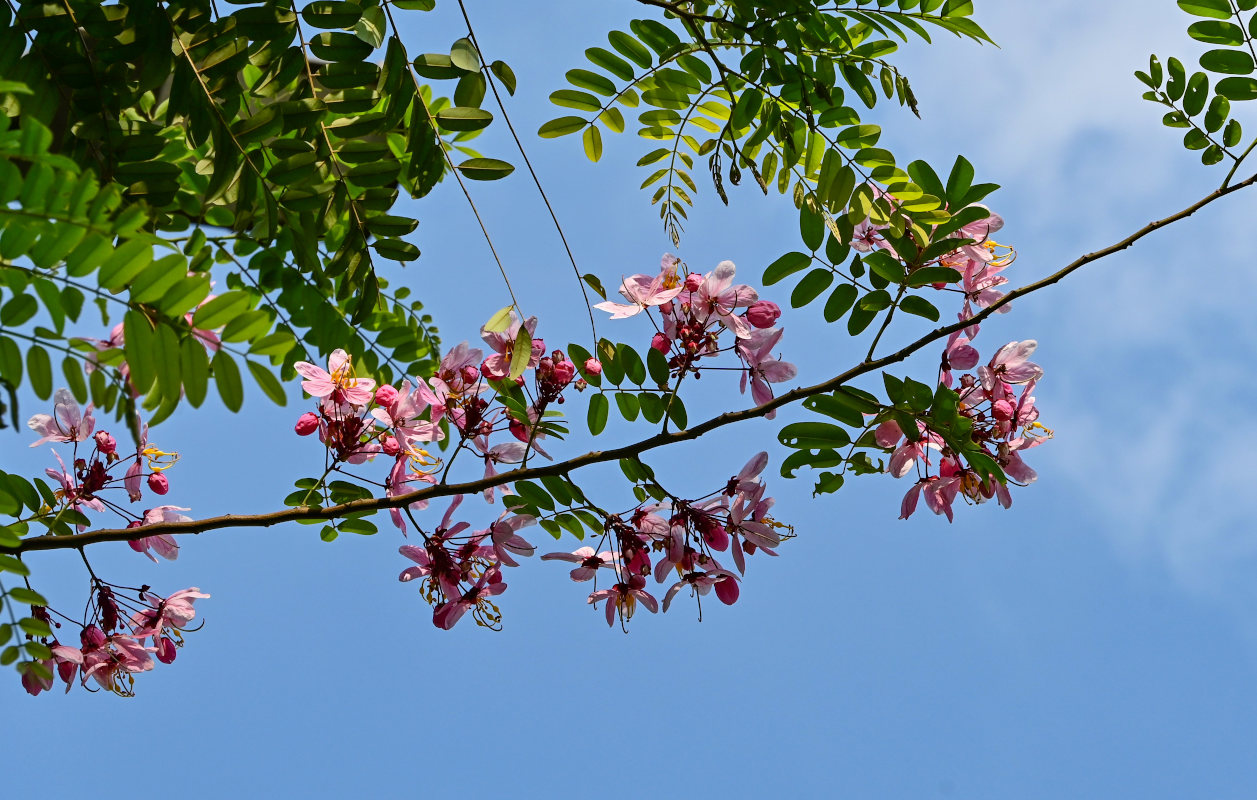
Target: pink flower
x=1011, y=364
x=643, y=291
x=162, y=544
x=762, y=369
x=498, y=365
x=586, y=560
x=490, y=583
x=507, y=541
x=701, y=583
x=718, y=297
x=66, y=424
x=623, y=597
x=337, y=381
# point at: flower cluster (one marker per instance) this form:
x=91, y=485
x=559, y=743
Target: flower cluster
x=998, y=400
x=682, y=537
x=459, y=571
x=357, y=421
x=123, y=632
x=92, y=473
x=696, y=309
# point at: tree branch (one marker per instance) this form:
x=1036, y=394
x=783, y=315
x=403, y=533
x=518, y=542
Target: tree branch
x=49, y=542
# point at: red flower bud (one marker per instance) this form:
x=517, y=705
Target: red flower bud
x=166, y=648
x=307, y=424
x=158, y=483
x=763, y=313
x=385, y=396
x=390, y=446
x=469, y=374
x=660, y=343
x=727, y=590
x=105, y=443
x=693, y=281
x=593, y=366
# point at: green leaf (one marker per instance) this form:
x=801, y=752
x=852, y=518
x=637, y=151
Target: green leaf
x=610, y=62
x=464, y=56
x=504, y=73
x=194, y=365
x=811, y=287
x=39, y=371
x=840, y=301
x=592, y=141
x=915, y=304
x=269, y=384
x=786, y=266
x=631, y=48
x=597, y=415
x=124, y=264
x=18, y=310
x=1217, y=9
x=560, y=127
x=500, y=321
x=521, y=352
x=227, y=378
x=1237, y=89
x=628, y=404
x=813, y=435
x=1212, y=32
x=464, y=118
x=21, y=594
x=221, y=310
x=1230, y=62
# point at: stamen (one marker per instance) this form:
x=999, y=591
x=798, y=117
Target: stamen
x=159, y=460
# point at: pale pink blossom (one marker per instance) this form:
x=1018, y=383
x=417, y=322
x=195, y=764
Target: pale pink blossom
x=337, y=382
x=65, y=424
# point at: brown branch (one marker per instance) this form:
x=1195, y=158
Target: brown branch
x=49, y=542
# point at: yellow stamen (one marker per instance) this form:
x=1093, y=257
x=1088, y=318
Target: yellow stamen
x=344, y=377
x=159, y=460
x=423, y=461
x=1002, y=254
x=1039, y=426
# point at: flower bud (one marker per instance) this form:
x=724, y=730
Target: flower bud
x=593, y=366
x=519, y=430
x=1002, y=410
x=564, y=372
x=727, y=590
x=385, y=396
x=307, y=424
x=660, y=342
x=166, y=648
x=390, y=446
x=693, y=281
x=66, y=670
x=92, y=637
x=763, y=313
x=105, y=443
x=469, y=374
x=158, y=483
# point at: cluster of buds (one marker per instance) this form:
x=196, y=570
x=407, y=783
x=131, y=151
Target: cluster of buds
x=682, y=537
x=123, y=633
x=696, y=310
x=94, y=464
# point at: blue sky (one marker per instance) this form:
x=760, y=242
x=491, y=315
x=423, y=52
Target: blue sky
x=1095, y=641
